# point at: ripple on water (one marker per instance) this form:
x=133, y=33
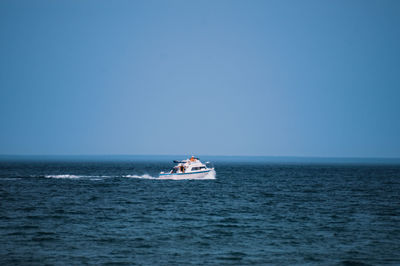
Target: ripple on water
x=252, y=214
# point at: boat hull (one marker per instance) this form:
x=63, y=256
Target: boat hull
x=209, y=174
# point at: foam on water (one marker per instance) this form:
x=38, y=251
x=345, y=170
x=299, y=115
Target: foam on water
x=209, y=176
x=62, y=176
x=67, y=176
x=145, y=176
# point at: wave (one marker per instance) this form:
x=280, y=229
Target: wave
x=145, y=176
x=92, y=177
x=210, y=175
x=63, y=176
x=10, y=178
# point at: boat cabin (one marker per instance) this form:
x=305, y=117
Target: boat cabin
x=190, y=165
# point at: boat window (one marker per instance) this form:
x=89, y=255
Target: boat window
x=198, y=168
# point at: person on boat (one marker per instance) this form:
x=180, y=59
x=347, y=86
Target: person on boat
x=192, y=159
x=182, y=169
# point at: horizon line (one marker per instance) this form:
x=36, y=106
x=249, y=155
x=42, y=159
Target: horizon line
x=208, y=155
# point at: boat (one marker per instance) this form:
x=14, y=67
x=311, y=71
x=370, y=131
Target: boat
x=191, y=168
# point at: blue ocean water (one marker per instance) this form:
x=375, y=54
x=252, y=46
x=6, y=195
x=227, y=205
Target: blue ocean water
x=93, y=211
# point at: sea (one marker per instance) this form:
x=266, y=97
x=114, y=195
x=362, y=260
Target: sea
x=112, y=210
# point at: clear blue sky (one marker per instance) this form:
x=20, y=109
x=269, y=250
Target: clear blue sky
x=279, y=78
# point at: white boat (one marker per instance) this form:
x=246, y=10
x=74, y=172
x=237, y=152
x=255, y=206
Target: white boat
x=189, y=169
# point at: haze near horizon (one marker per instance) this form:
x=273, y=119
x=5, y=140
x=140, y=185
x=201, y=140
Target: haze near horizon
x=262, y=78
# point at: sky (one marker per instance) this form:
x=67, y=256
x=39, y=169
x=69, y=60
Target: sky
x=263, y=78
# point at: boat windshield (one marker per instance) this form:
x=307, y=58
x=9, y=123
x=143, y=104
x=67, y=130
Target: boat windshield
x=174, y=170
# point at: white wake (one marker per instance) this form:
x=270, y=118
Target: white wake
x=92, y=177
x=62, y=176
x=145, y=176
x=209, y=176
